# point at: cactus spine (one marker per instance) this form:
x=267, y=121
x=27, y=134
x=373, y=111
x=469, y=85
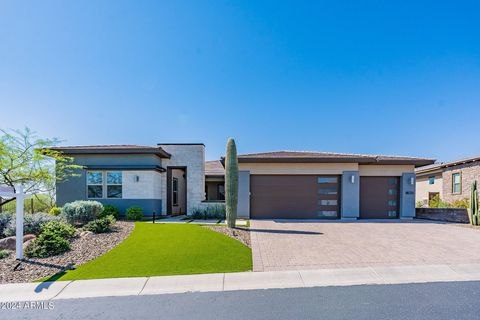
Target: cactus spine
x=473, y=214
x=231, y=183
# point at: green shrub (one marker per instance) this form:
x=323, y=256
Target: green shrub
x=55, y=211
x=464, y=203
x=46, y=245
x=210, y=211
x=59, y=228
x=32, y=223
x=109, y=210
x=82, y=212
x=134, y=213
x=100, y=225
x=3, y=254
x=5, y=218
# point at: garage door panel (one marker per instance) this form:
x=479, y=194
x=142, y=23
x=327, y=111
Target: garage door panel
x=299, y=197
x=379, y=197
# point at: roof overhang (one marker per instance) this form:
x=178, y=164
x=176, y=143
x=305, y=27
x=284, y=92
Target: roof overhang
x=364, y=160
x=126, y=167
x=86, y=151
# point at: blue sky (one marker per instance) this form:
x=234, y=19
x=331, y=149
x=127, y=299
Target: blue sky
x=357, y=76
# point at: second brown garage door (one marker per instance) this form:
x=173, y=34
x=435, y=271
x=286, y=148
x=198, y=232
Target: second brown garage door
x=379, y=197
x=294, y=197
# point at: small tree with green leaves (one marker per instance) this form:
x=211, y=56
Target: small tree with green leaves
x=473, y=214
x=231, y=183
x=28, y=160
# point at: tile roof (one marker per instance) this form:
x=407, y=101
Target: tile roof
x=312, y=156
x=441, y=165
x=214, y=168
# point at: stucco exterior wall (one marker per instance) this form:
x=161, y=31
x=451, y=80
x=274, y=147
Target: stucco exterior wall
x=147, y=187
x=297, y=168
x=192, y=157
x=423, y=188
x=384, y=170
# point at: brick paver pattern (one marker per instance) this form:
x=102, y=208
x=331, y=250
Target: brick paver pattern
x=296, y=245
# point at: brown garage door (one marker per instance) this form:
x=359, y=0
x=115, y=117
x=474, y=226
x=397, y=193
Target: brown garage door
x=379, y=197
x=294, y=197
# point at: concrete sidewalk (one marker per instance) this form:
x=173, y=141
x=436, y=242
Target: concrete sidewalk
x=237, y=281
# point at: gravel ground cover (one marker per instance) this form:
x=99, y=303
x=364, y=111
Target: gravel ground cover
x=84, y=249
x=240, y=234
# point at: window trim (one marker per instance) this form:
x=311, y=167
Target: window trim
x=459, y=184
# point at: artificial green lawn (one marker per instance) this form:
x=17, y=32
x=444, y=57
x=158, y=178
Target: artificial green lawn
x=166, y=249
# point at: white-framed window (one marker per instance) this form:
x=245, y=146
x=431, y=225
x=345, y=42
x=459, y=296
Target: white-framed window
x=457, y=182
x=104, y=184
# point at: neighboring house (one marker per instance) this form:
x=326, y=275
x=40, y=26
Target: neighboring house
x=174, y=179
x=451, y=181
x=214, y=181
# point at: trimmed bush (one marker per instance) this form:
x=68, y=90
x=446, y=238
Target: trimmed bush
x=100, y=225
x=82, y=212
x=210, y=211
x=3, y=254
x=46, y=245
x=109, y=210
x=134, y=213
x=5, y=218
x=55, y=211
x=59, y=228
x=32, y=223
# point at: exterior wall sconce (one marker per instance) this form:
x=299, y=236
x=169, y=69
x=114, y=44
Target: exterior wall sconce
x=137, y=178
x=412, y=181
x=352, y=178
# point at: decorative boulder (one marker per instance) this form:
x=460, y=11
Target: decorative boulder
x=9, y=243
x=86, y=234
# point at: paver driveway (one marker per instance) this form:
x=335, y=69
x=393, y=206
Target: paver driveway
x=290, y=244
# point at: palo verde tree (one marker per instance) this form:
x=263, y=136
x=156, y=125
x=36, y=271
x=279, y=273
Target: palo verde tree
x=231, y=183
x=28, y=160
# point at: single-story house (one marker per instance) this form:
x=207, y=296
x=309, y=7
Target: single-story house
x=171, y=179
x=450, y=181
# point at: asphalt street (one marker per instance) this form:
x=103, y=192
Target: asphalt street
x=451, y=300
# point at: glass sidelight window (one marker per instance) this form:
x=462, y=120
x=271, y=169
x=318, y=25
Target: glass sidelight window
x=175, y=191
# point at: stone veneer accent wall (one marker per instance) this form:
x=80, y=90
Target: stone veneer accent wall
x=469, y=173
x=192, y=157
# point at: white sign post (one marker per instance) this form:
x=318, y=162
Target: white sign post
x=19, y=195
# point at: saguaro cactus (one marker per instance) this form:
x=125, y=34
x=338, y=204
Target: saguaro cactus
x=473, y=212
x=231, y=183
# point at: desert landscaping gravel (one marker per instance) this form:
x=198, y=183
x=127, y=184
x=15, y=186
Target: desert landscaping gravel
x=240, y=234
x=84, y=249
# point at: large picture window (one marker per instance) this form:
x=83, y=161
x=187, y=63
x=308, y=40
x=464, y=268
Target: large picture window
x=101, y=184
x=94, y=184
